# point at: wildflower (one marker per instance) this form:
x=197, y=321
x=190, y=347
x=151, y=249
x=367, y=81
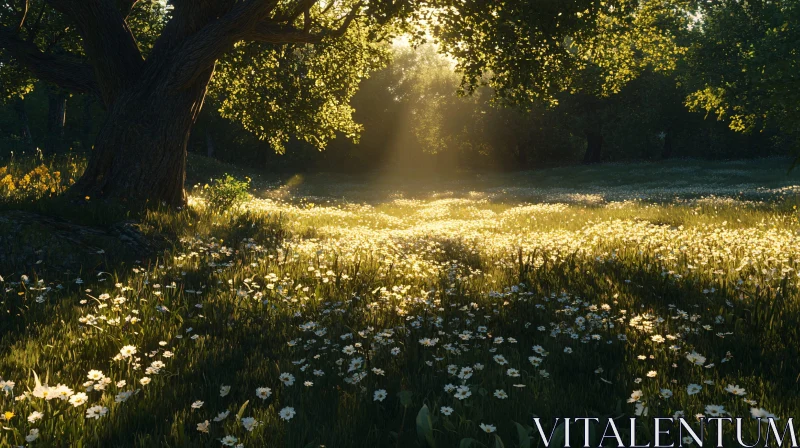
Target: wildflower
x=693, y=389
x=222, y=416
x=229, y=440
x=287, y=379
x=501, y=394
x=379, y=395
x=500, y=359
x=203, y=426
x=263, y=392
x=735, y=390
x=287, y=413
x=635, y=396
x=95, y=375
x=446, y=410
x=250, y=423
x=127, y=351
x=197, y=404
x=33, y=434
x=652, y=374
x=696, y=358
x=78, y=399
x=666, y=393
x=35, y=416
x=761, y=413
x=488, y=429
x=96, y=412
x=715, y=410
x=144, y=381
x=224, y=390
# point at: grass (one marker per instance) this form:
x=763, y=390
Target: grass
x=560, y=290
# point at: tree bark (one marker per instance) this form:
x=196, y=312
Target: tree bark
x=140, y=150
x=25, y=128
x=56, y=118
x=666, y=151
x=594, y=146
x=209, y=144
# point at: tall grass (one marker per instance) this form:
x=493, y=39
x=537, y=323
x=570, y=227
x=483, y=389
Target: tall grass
x=379, y=318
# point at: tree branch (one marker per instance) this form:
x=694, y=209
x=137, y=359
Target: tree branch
x=69, y=72
x=107, y=41
x=271, y=32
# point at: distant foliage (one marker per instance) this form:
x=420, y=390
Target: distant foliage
x=226, y=193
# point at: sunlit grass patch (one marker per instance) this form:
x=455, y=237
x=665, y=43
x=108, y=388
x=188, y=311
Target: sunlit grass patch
x=296, y=321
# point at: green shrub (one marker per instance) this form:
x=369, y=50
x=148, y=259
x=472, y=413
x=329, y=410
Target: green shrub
x=226, y=192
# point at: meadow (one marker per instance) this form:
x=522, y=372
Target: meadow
x=387, y=311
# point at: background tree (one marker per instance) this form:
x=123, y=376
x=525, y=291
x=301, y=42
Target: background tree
x=747, y=64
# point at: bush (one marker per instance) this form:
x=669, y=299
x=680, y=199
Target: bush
x=226, y=192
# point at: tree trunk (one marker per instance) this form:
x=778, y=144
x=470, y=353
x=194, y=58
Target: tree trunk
x=594, y=146
x=140, y=150
x=88, y=121
x=666, y=151
x=209, y=144
x=56, y=118
x=25, y=128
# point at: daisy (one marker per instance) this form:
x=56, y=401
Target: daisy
x=96, y=412
x=379, y=395
x=78, y=399
x=501, y=394
x=446, y=410
x=287, y=413
x=488, y=429
x=263, y=392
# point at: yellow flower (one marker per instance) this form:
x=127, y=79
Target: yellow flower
x=8, y=415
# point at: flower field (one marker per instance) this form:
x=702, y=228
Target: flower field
x=340, y=313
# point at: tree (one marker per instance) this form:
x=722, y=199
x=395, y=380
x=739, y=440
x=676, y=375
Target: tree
x=746, y=61
x=152, y=75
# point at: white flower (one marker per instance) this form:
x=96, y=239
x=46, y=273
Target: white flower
x=761, y=413
x=379, y=395
x=144, y=381
x=229, y=440
x=96, y=412
x=224, y=390
x=735, y=390
x=287, y=413
x=501, y=394
x=32, y=435
x=446, y=410
x=715, y=410
x=263, y=392
x=78, y=399
x=488, y=428
x=197, y=404
x=693, y=389
x=287, y=379
x=127, y=351
x=250, y=423
x=222, y=416
x=203, y=427
x=35, y=416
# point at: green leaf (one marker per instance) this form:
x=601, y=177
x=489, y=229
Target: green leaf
x=468, y=443
x=558, y=436
x=498, y=443
x=425, y=426
x=405, y=398
x=524, y=436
